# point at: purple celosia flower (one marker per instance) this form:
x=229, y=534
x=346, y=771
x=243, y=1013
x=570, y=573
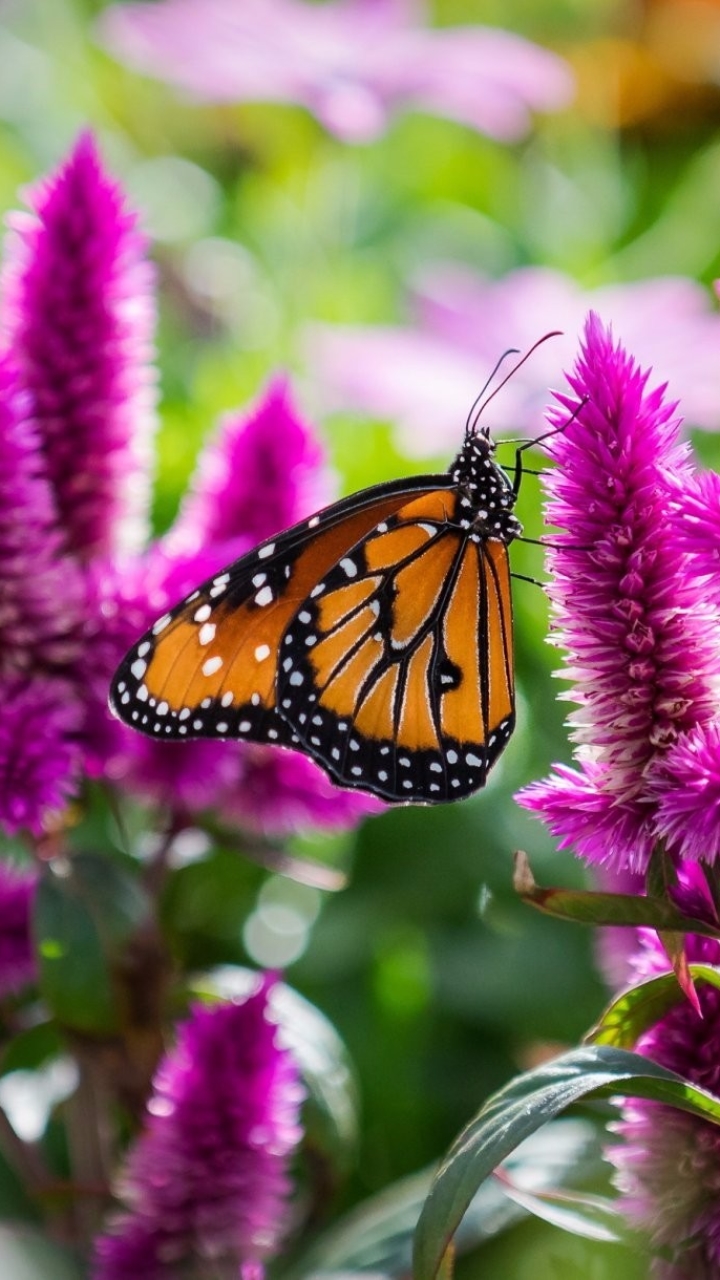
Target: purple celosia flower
x=281, y=792
x=41, y=597
x=668, y=1165
x=208, y=1178
x=76, y=392
x=17, y=959
x=40, y=758
x=261, y=472
x=643, y=656
x=78, y=316
x=352, y=63
x=426, y=375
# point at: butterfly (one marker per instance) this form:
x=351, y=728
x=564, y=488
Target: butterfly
x=375, y=636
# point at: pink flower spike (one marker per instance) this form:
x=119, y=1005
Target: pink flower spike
x=208, y=1179
x=685, y=784
x=261, y=472
x=642, y=655
x=667, y=1162
x=42, y=596
x=353, y=63
x=282, y=792
x=39, y=752
x=698, y=502
x=78, y=315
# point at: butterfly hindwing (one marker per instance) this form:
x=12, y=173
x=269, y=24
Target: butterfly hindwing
x=385, y=673
x=208, y=668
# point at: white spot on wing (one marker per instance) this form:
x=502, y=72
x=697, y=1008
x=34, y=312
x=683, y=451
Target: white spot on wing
x=266, y=551
x=206, y=634
x=262, y=652
x=138, y=668
x=264, y=596
x=211, y=665
x=203, y=613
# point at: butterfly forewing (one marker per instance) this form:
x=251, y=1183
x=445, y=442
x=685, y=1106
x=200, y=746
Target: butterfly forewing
x=209, y=667
x=385, y=672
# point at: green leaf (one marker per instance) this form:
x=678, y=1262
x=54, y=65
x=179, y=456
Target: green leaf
x=83, y=915
x=376, y=1236
x=630, y=910
x=520, y=1109
x=632, y=1012
x=592, y=1217
x=26, y=1255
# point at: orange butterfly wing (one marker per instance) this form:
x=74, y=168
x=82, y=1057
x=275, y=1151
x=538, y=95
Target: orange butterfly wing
x=396, y=674
x=209, y=667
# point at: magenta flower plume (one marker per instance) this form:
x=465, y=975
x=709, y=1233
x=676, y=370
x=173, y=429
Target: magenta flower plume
x=17, y=959
x=668, y=1163
x=642, y=656
x=41, y=597
x=40, y=757
x=76, y=588
x=261, y=472
x=699, y=532
x=282, y=792
x=77, y=314
x=208, y=1179
x=352, y=63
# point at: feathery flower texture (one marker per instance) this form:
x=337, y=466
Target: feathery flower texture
x=352, y=63
x=207, y=1179
x=668, y=1163
x=77, y=581
x=628, y=607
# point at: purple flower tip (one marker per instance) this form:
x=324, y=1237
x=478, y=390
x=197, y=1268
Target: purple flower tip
x=263, y=471
x=78, y=316
x=627, y=606
x=207, y=1180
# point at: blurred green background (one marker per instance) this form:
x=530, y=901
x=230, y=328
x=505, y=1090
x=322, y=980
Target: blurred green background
x=440, y=982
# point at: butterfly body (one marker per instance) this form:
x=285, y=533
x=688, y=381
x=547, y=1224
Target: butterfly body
x=375, y=636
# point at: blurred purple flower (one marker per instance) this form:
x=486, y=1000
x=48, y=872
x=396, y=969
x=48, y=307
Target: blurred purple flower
x=424, y=377
x=73, y=426
x=41, y=595
x=281, y=792
x=40, y=758
x=668, y=1164
x=17, y=959
x=78, y=316
x=642, y=646
x=352, y=63
x=260, y=473
x=76, y=391
x=208, y=1179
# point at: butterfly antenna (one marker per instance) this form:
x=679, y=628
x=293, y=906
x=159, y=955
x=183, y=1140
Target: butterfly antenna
x=511, y=351
x=472, y=425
